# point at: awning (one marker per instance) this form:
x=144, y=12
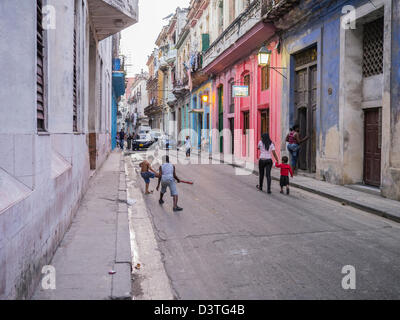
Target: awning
x=196, y=111
x=118, y=83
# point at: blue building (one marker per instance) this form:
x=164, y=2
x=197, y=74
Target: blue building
x=342, y=61
x=118, y=90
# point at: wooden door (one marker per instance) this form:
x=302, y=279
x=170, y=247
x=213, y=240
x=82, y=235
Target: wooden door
x=305, y=93
x=372, y=146
x=264, y=122
x=221, y=117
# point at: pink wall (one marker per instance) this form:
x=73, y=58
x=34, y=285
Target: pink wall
x=258, y=101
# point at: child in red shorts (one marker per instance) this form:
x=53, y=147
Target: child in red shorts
x=285, y=170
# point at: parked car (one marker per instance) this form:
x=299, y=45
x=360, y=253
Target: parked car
x=156, y=134
x=143, y=142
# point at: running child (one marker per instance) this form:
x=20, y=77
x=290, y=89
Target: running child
x=148, y=173
x=285, y=170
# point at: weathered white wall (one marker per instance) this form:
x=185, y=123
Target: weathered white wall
x=44, y=175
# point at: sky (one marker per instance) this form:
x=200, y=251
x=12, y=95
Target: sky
x=138, y=41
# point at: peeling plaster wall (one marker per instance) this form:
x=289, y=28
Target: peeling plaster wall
x=391, y=172
x=342, y=91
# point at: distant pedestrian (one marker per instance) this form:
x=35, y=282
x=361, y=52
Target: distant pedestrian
x=267, y=150
x=188, y=146
x=167, y=177
x=147, y=173
x=121, y=139
x=294, y=142
x=129, y=141
x=285, y=171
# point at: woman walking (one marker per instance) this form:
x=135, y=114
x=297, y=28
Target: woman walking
x=267, y=149
x=294, y=140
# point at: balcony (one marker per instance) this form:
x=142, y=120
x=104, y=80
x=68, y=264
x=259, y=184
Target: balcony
x=163, y=64
x=181, y=87
x=171, y=99
x=112, y=16
x=273, y=10
x=246, y=33
x=171, y=55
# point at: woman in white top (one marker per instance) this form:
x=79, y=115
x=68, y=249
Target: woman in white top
x=267, y=149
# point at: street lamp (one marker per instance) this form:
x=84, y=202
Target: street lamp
x=204, y=98
x=264, y=56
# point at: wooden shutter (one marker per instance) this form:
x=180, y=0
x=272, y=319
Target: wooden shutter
x=75, y=94
x=40, y=103
x=205, y=40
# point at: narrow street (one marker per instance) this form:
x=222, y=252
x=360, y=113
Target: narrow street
x=234, y=242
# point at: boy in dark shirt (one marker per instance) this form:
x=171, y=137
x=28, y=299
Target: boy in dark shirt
x=285, y=170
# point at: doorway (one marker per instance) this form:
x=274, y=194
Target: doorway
x=232, y=129
x=305, y=104
x=372, y=146
x=221, y=117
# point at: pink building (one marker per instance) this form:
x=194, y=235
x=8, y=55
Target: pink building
x=244, y=120
x=261, y=111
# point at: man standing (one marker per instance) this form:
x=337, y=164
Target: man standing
x=167, y=177
x=121, y=139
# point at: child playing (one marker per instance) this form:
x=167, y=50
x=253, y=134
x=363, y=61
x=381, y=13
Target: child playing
x=285, y=170
x=188, y=146
x=147, y=173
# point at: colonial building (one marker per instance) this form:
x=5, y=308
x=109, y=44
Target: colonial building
x=342, y=89
x=56, y=131
x=154, y=110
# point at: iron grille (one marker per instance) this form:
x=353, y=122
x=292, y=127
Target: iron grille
x=40, y=96
x=373, y=48
x=305, y=57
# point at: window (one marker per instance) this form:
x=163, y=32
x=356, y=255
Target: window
x=265, y=78
x=246, y=81
x=373, y=48
x=40, y=98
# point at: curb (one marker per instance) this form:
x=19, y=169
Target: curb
x=354, y=204
x=121, y=286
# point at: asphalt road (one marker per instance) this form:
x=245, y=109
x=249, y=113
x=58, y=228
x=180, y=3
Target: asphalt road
x=234, y=242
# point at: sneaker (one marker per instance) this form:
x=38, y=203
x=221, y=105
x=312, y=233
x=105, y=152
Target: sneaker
x=177, y=209
x=161, y=201
x=282, y=191
x=269, y=192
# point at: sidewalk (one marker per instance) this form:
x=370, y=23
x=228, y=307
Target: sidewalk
x=98, y=241
x=375, y=204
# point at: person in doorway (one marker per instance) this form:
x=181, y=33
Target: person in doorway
x=285, y=170
x=267, y=150
x=294, y=142
x=121, y=139
x=166, y=179
x=188, y=146
x=147, y=173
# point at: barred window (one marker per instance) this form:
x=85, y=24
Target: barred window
x=40, y=82
x=373, y=48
